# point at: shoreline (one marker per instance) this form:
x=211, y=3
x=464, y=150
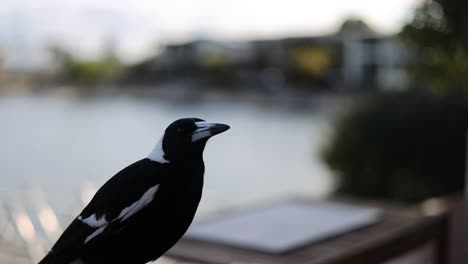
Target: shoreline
x=288, y=99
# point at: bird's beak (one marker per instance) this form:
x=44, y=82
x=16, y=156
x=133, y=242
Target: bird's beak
x=206, y=130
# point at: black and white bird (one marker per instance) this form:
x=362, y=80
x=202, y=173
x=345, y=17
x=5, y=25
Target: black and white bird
x=141, y=212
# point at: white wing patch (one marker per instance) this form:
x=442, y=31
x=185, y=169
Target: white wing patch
x=93, y=221
x=147, y=197
x=127, y=212
x=95, y=233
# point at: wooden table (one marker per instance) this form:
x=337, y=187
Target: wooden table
x=400, y=231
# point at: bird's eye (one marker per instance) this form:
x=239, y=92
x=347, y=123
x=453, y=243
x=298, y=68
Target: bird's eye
x=180, y=130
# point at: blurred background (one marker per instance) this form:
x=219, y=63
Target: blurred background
x=361, y=98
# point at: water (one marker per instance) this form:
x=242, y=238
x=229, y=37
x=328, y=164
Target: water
x=68, y=146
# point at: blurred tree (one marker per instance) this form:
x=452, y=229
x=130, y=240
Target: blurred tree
x=401, y=146
x=438, y=32
x=68, y=68
x=90, y=72
x=104, y=68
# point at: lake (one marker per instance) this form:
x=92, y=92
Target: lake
x=64, y=147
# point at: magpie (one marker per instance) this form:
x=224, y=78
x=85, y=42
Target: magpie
x=142, y=211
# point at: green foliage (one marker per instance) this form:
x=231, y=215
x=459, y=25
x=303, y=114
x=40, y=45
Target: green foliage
x=438, y=33
x=401, y=146
x=95, y=71
x=103, y=68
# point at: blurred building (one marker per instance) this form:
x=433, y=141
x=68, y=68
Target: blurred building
x=378, y=61
x=353, y=58
x=194, y=56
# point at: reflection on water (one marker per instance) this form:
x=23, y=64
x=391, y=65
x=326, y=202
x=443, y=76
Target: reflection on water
x=68, y=145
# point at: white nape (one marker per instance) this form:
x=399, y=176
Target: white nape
x=157, y=154
x=93, y=221
x=145, y=199
x=203, y=130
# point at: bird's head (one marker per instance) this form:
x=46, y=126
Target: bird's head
x=185, y=138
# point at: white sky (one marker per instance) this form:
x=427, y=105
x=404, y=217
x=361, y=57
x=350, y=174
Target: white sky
x=136, y=24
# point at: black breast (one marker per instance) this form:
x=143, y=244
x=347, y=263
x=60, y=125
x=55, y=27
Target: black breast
x=163, y=222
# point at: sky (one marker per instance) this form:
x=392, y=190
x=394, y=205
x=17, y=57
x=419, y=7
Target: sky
x=136, y=26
